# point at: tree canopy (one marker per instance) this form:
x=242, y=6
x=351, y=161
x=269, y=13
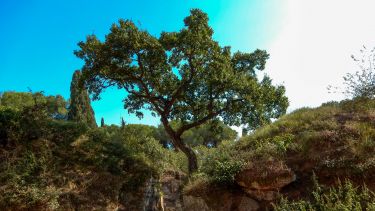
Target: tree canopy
x=209, y=134
x=55, y=106
x=185, y=76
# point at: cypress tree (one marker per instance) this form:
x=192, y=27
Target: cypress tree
x=102, y=122
x=122, y=122
x=80, y=107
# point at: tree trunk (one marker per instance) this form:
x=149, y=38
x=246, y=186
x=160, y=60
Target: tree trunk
x=178, y=143
x=190, y=154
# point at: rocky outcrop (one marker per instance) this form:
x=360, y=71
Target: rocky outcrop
x=192, y=203
x=220, y=198
x=171, y=187
x=258, y=183
x=151, y=199
x=263, y=181
x=145, y=198
x=210, y=198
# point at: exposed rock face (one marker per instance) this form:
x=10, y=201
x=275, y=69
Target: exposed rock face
x=210, y=199
x=145, y=198
x=262, y=181
x=218, y=198
x=256, y=184
x=192, y=203
x=171, y=188
x=226, y=201
x=151, y=195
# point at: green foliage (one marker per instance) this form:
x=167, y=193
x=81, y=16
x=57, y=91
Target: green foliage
x=123, y=122
x=80, y=109
x=361, y=84
x=219, y=164
x=138, y=62
x=275, y=145
x=28, y=123
x=9, y=125
x=210, y=134
x=21, y=177
x=331, y=135
x=175, y=161
x=139, y=130
x=64, y=132
x=55, y=106
x=283, y=141
x=32, y=122
x=37, y=173
x=185, y=76
x=102, y=124
x=296, y=126
x=17, y=100
x=116, y=148
x=344, y=197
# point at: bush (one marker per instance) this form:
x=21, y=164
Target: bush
x=9, y=125
x=61, y=131
x=344, y=197
x=360, y=84
x=220, y=165
x=24, y=178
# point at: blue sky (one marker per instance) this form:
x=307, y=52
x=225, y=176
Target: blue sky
x=37, y=38
x=310, y=42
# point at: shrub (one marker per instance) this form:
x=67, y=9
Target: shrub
x=343, y=197
x=9, y=125
x=220, y=165
x=360, y=84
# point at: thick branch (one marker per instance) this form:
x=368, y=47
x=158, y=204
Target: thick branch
x=183, y=84
x=210, y=116
x=154, y=100
x=151, y=99
x=186, y=127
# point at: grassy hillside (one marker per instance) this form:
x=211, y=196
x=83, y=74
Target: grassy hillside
x=336, y=137
x=335, y=142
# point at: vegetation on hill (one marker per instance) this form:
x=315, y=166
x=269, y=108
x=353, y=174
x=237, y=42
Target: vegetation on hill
x=47, y=163
x=334, y=141
x=343, y=197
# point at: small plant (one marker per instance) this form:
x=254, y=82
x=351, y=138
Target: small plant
x=360, y=84
x=344, y=197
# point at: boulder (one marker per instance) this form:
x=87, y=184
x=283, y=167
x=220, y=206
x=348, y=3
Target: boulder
x=263, y=180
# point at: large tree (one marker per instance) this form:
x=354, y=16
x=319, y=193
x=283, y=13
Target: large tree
x=185, y=76
x=80, y=109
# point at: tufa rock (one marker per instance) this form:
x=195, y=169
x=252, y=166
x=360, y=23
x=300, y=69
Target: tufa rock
x=262, y=181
